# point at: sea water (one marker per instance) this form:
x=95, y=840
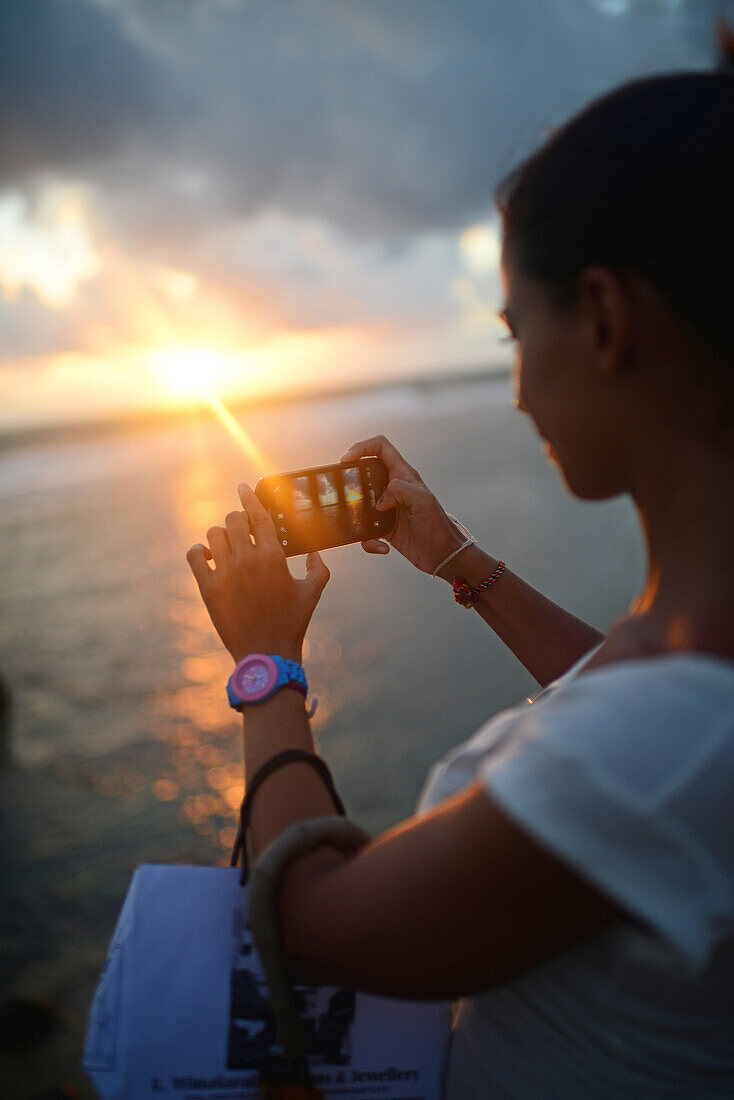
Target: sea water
x=122, y=746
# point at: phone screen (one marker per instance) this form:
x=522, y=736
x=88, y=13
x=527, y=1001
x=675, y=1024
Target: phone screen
x=327, y=505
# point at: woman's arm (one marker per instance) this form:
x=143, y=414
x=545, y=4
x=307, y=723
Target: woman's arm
x=452, y=903
x=544, y=637
x=447, y=904
x=444, y=905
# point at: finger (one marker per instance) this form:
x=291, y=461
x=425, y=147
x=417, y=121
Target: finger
x=376, y=546
x=238, y=532
x=261, y=522
x=197, y=557
x=219, y=543
x=381, y=447
x=317, y=573
x=400, y=492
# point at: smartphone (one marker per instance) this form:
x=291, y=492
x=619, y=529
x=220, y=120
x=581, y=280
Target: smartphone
x=327, y=506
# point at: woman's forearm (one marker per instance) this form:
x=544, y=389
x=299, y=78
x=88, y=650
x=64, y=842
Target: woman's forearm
x=293, y=792
x=544, y=637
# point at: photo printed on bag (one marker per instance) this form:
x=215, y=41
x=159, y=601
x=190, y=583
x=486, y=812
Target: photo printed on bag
x=327, y=1012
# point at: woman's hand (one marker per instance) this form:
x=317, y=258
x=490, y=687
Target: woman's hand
x=255, y=604
x=423, y=533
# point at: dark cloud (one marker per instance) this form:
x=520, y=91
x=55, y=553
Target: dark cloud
x=73, y=87
x=392, y=118
x=386, y=118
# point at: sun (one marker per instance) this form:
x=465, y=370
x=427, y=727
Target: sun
x=187, y=370
x=195, y=372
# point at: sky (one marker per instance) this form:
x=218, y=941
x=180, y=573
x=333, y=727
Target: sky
x=266, y=196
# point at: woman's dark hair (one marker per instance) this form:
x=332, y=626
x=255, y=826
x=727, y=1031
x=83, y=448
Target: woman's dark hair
x=642, y=180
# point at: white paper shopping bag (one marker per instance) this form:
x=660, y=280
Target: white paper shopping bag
x=181, y=1007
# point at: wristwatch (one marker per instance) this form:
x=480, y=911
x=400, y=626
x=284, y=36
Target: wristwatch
x=259, y=675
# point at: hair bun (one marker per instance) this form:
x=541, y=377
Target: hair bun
x=725, y=37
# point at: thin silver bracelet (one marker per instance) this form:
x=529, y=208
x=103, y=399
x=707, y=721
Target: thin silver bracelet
x=469, y=541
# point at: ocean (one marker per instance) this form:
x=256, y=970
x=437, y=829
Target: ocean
x=122, y=748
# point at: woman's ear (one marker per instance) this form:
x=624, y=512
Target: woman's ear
x=606, y=308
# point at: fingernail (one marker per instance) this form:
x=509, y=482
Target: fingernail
x=241, y=487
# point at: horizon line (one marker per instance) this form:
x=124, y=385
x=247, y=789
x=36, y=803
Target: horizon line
x=149, y=418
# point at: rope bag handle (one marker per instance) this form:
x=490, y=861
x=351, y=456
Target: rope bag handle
x=265, y=878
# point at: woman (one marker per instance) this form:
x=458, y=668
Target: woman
x=570, y=872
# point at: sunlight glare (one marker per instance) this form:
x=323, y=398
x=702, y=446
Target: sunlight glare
x=196, y=372
x=187, y=370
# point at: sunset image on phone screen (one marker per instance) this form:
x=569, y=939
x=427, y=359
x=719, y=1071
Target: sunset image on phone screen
x=331, y=516
x=356, y=508
x=301, y=494
x=328, y=493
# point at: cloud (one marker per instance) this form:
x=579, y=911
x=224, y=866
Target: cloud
x=315, y=275
x=394, y=118
x=73, y=87
x=48, y=251
x=382, y=118
x=310, y=164
x=30, y=331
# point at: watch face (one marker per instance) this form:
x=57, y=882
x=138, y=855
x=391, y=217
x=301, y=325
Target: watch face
x=254, y=678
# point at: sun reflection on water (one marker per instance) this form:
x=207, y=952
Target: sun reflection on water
x=201, y=736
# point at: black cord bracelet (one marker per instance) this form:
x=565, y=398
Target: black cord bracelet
x=288, y=756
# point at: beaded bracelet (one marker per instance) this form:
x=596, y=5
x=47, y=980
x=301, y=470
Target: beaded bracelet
x=466, y=595
x=288, y=756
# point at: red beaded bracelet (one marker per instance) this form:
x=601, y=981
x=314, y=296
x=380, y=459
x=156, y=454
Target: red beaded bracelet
x=466, y=595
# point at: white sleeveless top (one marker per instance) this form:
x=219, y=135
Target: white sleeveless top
x=627, y=774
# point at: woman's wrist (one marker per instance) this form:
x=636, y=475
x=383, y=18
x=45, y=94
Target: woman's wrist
x=276, y=724
x=472, y=563
x=289, y=650
x=457, y=538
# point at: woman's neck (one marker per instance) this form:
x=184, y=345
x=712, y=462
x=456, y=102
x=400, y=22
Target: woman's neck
x=684, y=500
